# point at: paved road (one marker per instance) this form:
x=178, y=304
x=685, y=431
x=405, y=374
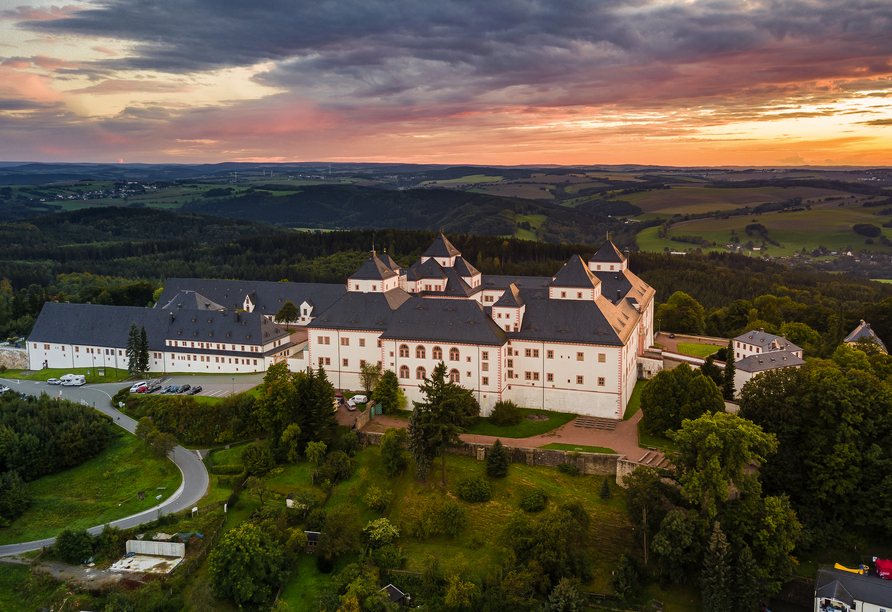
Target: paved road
x=195, y=477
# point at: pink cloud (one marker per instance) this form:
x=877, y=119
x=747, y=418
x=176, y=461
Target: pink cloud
x=105, y=51
x=33, y=13
x=121, y=86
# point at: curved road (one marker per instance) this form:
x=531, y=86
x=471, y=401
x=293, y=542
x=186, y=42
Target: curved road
x=195, y=476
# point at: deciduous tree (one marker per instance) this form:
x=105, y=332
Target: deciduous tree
x=288, y=313
x=247, y=565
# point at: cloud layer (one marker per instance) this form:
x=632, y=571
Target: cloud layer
x=506, y=82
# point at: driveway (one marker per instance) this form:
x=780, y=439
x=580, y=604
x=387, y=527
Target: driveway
x=195, y=476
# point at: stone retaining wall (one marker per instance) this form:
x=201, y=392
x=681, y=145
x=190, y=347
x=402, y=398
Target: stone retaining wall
x=13, y=358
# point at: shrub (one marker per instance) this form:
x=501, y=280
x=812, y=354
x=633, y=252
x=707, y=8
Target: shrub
x=605, y=489
x=430, y=519
x=324, y=564
x=497, y=461
x=475, y=489
x=388, y=557
x=376, y=499
x=506, y=413
x=337, y=466
x=349, y=443
x=228, y=469
x=74, y=547
x=454, y=518
x=568, y=468
x=258, y=460
x=316, y=520
x=867, y=229
x=380, y=532
x=535, y=501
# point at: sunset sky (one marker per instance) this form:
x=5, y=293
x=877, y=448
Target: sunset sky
x=670, y=82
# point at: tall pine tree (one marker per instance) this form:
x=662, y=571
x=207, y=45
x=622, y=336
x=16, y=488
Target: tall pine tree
x=715, y=581
x=747, y=588
x=133, y=349
x=143, y=353
x=497, y=460
x=728, y=374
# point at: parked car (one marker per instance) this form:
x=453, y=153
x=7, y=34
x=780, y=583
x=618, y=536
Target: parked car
x=194, y=390
x=174, y=389
x=184, y=388
x=672, y=336
x=360, y=399
x=73, y=380
x=351, y=406
x=54, y=381
x=139, y=387
x=164, y=389
x=3, y=389
x=153, y=387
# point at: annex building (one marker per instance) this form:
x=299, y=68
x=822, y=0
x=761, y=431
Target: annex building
x=570, y=342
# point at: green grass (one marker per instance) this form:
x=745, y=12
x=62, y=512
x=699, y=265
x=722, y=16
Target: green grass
x=697, y=350
x=634, y=404
x=580, y=449
x=111, y=374
x=646, y=440
x=307, y=582
x=524, y=429
x=472, y=178
x=24, y=591
x=83, y=497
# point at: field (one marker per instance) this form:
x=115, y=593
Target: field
x=100, y=490
x=697, y=350
x=828, y=227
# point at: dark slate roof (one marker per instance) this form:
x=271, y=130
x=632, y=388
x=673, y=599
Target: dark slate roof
x=611, y=282
x=870, y=588
x=608, y=253
x=388, y=261
x=268, y=296
x=370, y=311
x=455, y=287
x=312, y=536
x=96, y=325
x=597, y=322
x=444, y=321
x=574, y=274
x=393, y=594
x=492, y=282
x=428, y=269
x=864, y=332
x=189, y=300
x=464, y=268
x=373, y=269
x=767, y=341
x=441, y=248
x=768, y=361
x=511, y=298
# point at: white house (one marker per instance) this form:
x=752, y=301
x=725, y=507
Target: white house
x=837, y=590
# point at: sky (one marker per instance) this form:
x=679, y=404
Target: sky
x=502, y=82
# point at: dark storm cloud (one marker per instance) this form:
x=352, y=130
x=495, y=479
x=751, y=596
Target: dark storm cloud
x=561, y=53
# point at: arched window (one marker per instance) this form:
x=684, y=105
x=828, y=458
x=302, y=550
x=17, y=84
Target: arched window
x=404, y=371
x=404, y=350
x=437, y=353
x=419, y=352
x=453, y=375
x=420, y=373
x=453, y=354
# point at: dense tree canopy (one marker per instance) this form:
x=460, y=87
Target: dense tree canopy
x=677, y=394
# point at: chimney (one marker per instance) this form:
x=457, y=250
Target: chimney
x=237, y=316
x=171, y=319
x=619, y=295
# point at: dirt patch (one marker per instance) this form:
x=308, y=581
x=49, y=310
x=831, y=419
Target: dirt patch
x=536, y=417
x=87, y=577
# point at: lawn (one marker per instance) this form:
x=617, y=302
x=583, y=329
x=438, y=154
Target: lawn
x=635, y=401
x=22, y=591
x=646, y=440
x=307, y=581
x=111, y=374
x=98, y=491
x=697, y=350
x=526, y=428
x=580, y=449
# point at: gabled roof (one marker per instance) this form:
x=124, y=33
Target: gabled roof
x=444, y=321
x=491, y=282
x=463, y=267
x=864, y=332
x=269, y=297
x=578, y=321
x=429, y=269
x=770, y=360
x=767, y=342
x=190, y=300
x=608, y=253
x=441, y=248
x=511, y=298
x=575, y=274
x=629, y=286
x=455, y=286
x=388, y=261
x=831, y=582
x=393, y=594
x=373, y=269
x=370, y=311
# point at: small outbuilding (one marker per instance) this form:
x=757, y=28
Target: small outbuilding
x=312, y=542
x=864, y=332
x=395, y=596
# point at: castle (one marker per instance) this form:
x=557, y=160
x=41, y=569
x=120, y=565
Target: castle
x=571, y=342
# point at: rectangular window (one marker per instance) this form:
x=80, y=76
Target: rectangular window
x=255, y=362
x=510, y=363
x=528, y=375
x=601, y=381
x=510, y=374
x=507, y=328
x=579, y=295
x=536, y=353
x=549, y=354
x=549, y=377
x=602, y=357
x=362, y=342
x=321, y=340
x=362, y=363
x=535, y=375
x=579, y=380
x=346, y=362
x=46, y=347
x=528, y=353
x=485, y=381
x=484, y=367
x=484, y=355
x=563, y=294
x=580, y=356
x=327, y=339
x=328, y=361
x=345, y=341
x=379, y=344
x=469, y=359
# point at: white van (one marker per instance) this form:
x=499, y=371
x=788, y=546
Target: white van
x=73, y=380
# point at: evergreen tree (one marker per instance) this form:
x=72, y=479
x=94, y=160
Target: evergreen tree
x=143, y=354
x=564, y=598
x=14, y=497
x=747, y=591
x=133, y=349
x=604, y=493
x=728, y=374
x=715, y=581
x=420, y=446
x=387, y=392
x=497, y=460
